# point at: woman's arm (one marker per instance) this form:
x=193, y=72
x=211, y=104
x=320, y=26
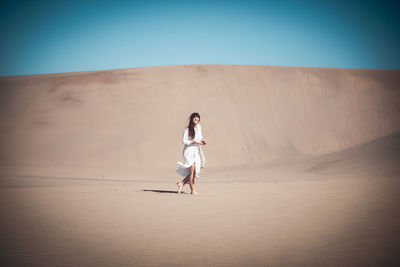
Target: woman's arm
x=201, y=136
x=200, y=132
x=185, y=139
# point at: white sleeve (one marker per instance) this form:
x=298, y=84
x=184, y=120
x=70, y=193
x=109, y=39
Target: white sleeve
x=200, y=133
x=185, y=139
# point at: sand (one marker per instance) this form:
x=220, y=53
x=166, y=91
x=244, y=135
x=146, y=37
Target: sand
x=302, y=168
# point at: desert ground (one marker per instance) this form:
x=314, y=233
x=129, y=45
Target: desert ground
x=303, y=167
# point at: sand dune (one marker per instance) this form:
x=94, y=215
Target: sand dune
x=302, y=167
x=118, y=124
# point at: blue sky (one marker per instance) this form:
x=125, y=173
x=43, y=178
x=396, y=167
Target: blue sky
x=67, y=36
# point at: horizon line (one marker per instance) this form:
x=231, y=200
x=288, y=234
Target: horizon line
x=183, y=65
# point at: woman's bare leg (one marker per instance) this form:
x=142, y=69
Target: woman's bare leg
x=191, y=179
x=182, y=183
x=185, y=180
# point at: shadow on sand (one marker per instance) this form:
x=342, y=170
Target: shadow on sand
x=162, y=191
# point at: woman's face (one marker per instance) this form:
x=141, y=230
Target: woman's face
x=196, y=120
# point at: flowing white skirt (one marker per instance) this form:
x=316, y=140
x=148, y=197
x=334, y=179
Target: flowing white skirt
x=191, y=154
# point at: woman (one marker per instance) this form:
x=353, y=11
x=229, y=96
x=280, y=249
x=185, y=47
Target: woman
x=192, y=154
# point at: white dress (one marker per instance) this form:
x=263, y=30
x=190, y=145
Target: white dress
x=192, y=153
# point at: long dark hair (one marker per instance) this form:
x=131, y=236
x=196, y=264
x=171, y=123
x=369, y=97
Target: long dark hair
x=191, y=124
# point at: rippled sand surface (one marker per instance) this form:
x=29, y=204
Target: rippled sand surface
x=324, y=211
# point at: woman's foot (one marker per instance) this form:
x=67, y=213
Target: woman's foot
x=194, y=193
x=180, y=186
